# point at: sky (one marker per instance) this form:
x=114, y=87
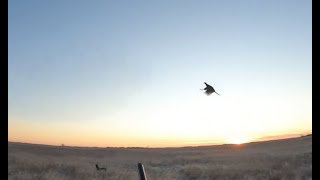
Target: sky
x=129, y=73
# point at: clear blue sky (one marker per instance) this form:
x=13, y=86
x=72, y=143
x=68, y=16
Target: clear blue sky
x=130, y=66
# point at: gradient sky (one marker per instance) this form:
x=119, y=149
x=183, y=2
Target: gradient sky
x=129, y=73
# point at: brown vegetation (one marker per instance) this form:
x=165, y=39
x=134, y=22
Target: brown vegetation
x=281, y=159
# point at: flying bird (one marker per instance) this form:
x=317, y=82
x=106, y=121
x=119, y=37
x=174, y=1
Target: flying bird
x=209, y=89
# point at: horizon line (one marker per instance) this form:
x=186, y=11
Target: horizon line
x=262, y=139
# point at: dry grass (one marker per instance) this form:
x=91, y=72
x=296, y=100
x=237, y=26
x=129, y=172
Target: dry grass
x=276, y=160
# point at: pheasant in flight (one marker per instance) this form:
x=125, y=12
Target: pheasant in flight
x=209, y=89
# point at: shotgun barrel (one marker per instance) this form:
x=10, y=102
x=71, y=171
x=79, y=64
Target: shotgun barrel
x=142, y=173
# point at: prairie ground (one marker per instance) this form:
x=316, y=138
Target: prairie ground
x=281, y=159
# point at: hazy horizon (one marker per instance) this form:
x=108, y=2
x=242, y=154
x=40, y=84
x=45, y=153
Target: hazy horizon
x=126, y=73
x=262, y=139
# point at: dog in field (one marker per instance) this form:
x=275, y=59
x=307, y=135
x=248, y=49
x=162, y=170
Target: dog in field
x=100, y=168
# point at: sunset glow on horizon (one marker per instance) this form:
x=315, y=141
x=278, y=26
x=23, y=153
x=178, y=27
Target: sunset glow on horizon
x=112, y=74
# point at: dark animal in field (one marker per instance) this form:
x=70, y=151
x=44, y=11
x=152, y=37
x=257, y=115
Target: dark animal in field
x=100, y=168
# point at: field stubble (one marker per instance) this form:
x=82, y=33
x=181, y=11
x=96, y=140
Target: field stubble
x=275, y=160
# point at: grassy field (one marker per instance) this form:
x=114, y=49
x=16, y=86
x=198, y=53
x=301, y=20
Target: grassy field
x=282, y=159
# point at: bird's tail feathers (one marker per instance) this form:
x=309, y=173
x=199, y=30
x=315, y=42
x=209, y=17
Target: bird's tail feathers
x=217, y=93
